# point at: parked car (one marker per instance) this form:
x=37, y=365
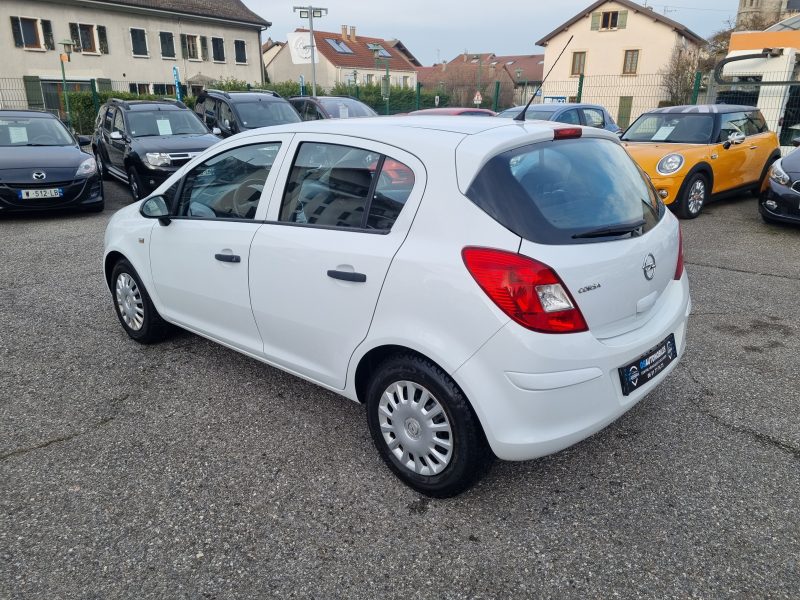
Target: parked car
x=143, y=142
x=694, y=152
x=233, y=112
x=519, y=289
x=42, y=166
x=780, y=201
x=312, y=108
x=572, y=113
x=453, y=111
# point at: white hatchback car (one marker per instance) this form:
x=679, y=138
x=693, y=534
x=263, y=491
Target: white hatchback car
x=486, y=287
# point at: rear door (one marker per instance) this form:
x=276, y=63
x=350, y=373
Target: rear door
x=317, y=266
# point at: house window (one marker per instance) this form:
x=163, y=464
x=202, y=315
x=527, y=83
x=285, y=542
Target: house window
x=83, y=36
x=34, y=34
x=370, y=79
x=218, y=49
x=167, y=44
x=139, y=88
x=240, y=50
x=406, y=81
x=164, y=89
x=139, y=42
x=339, y=46
x=578, y=63
x=609, y=20
x=192, y=48
x=382, y=52
x=631, y=62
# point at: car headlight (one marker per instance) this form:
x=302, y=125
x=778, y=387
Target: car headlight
x=157, y=159
x=670, y=164
x=778, y=175
x=86, y=168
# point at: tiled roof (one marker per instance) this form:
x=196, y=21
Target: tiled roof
x=460, y=74
x=531, y=65
x=231, y=10
x=682, y=29
x=362, y=57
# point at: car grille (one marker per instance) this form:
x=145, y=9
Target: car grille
x=39, y=185
x=796, y=186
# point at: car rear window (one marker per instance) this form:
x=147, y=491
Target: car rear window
x=567, y=192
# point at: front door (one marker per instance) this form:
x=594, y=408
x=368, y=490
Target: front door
x=317, y=266
x=200, y=260
x=733, y=165
x=116, y=148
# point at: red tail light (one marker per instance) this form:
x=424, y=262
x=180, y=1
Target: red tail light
x=679, y=266
x=567, y=133
x=528, y=291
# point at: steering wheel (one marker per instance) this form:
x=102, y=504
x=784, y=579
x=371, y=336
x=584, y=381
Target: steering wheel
x=243, y=196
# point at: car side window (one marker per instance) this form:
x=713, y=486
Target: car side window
x=569, y=116
x=594, y=118
x=225, y=115
x=759, y=121
x=228, y=185
x=108, y=120
x=210, y=112
x=755, y=123
x=731, y=123
x=340, y=186
x=119, y=124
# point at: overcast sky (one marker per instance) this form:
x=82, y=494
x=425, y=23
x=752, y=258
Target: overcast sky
x=440, y=30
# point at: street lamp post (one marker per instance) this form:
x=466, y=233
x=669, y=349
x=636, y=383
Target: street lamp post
x=68, y=44
x=309, y=12
x=385, y=89
x=478, y=56
x=518, y=71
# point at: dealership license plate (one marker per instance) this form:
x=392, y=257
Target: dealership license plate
x=48, y=193
x=647, y=366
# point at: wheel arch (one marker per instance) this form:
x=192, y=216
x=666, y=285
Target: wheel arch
x=701, y=167
x=111, y=259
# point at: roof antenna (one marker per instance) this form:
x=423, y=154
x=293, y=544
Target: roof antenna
x=521, y=115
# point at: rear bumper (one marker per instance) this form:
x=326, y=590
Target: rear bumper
x=80, y=193
x=536, y=394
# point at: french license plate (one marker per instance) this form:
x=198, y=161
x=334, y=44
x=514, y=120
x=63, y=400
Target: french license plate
x=48, y=193
x=636, y=374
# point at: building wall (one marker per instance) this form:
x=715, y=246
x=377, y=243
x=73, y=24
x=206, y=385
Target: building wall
x=120, y=64
x=605, y=56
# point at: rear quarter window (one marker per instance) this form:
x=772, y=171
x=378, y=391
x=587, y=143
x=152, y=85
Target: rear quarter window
x=556, y=192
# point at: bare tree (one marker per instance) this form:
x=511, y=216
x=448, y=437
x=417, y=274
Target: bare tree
x=679, y=74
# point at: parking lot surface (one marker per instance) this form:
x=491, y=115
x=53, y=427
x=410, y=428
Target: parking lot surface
x=186, y=470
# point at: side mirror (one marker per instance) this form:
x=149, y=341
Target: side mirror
x=736, y=138
x=155, y=208
x=620, y=133
x=796, y=142
x=84, y=140
x=116, y=135
x=216, y=131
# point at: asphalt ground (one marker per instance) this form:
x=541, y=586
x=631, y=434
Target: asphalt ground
x=186, y=470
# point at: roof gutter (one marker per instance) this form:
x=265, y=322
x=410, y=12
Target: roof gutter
x=262, y=25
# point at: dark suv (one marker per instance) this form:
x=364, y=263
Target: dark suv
x=233, y=112
x=142, y=142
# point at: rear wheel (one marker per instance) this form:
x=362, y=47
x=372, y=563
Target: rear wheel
x=693, y=197
x=424, y=428
x=135, y=310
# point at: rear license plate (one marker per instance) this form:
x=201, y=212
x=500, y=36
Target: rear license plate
x=648, y=365
x=48, y=193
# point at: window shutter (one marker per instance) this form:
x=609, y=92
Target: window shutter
x=103, y=37
x=103, y=85
x=184, y=46
x=203, y=47
x=75, y=35
x=16, y=29
x=596, y=16
x=622, y=19
x=33, y=91
x=47, y=30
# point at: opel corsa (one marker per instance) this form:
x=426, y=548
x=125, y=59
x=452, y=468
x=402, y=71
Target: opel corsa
x=485, y=287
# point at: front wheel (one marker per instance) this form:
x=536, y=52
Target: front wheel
x=693, y=197
x=135, y=184
x=135, y=310
x=424, y=428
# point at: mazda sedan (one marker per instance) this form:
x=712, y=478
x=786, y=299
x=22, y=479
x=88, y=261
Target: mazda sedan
x=487, y=288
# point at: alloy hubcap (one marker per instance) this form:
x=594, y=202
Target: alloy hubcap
x=697, y=195
x=129, y=302
x=415, y=428
x=134, y=187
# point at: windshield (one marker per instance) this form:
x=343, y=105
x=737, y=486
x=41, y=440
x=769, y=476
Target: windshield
x=264, y=114
x=531, y=115
x=35, y=131
x=671, y=128
x=558, y=192
x=346, y=108
x=164, y=122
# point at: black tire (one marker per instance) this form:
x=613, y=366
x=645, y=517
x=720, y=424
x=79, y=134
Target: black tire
x=469, y=456
x=687, y=205
x=153, y=328
x=101, y=165
x=135, y=184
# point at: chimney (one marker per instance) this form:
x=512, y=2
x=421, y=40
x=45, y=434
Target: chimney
x=344, y=32
x=352, y=33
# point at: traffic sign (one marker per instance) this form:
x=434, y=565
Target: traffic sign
x=477, y=99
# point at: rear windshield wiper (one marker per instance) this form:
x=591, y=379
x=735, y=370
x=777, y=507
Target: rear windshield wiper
x=610, y=231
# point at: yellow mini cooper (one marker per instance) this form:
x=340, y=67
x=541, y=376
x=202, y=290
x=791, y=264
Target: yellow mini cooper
x=694, y=152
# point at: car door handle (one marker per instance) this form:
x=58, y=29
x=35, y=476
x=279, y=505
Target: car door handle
x=231, y=258
x=347, y=276
x=753, y=147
